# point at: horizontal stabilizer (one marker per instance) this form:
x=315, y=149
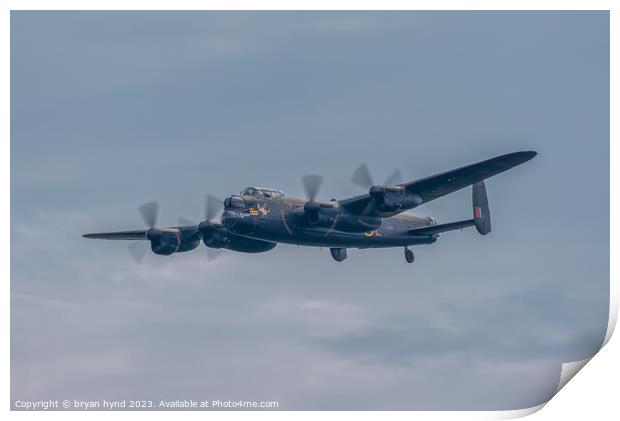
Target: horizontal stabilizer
x=436, y=229
x=120, y=235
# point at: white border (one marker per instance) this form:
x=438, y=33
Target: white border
x=592, y=387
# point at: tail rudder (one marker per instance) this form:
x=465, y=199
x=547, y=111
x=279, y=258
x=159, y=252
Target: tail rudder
x=482, y=215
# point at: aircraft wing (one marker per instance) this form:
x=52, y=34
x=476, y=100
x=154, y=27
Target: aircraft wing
x=119, y=235
x=430, y=188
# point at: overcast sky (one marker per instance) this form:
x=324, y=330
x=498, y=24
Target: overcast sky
x=110, y=110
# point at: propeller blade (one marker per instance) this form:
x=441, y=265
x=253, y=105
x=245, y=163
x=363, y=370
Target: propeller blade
x=312, y=184
x=149, y=213
x=361, y=177
x=212, y=205
x=185, y=222
x=138, y=251
x=395, y=178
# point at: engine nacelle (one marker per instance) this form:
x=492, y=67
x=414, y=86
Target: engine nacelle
x=397, y=200
x=173, y=240
x=220, y=237
x=393, y=199
x=248, y=245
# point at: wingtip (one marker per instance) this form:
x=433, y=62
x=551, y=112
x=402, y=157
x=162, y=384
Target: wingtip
x=91, y=236
x=524, y=156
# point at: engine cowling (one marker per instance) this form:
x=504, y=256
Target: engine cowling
x=314, y=215
x=312, y=212
x=218, y=236
x=248, y=245
x=173, y=240
x=395, y=201
x=393, y=198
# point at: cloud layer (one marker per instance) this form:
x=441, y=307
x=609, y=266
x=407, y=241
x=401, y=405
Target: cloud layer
x=110, y=110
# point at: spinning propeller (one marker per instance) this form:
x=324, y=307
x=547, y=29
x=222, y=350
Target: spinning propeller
x=149, y=212
x=189, y=231
x=312, y=184
x=212, y=205
x=208, y=228
x=362, y=177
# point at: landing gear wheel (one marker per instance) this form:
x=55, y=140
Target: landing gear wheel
x=408, y=255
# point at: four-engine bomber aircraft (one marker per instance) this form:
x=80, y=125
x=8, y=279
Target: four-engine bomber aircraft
x=258, y=218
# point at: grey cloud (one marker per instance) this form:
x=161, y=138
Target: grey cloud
x=110, y=110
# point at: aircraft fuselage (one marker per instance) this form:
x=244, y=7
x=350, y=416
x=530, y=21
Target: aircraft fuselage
x=281, y=221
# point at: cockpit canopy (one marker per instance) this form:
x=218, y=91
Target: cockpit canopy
x=262, y=193
x=236, y=202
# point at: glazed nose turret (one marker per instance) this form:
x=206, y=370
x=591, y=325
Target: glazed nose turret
x=229, y=218
x=238, y=222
